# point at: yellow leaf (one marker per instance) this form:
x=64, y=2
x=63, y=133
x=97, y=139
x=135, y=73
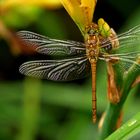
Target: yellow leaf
x=81, y=11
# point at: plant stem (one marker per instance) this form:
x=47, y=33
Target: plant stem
x=31, y=110
x=113, y=110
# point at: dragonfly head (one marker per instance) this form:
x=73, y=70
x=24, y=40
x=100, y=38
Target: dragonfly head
x=92, y=30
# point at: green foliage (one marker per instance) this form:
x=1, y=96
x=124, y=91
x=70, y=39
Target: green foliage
x=128, y=130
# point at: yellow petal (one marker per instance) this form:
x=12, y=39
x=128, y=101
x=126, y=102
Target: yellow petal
x=81, y=11
x=45, y=3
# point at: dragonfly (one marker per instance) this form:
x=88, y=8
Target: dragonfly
x=80, y=59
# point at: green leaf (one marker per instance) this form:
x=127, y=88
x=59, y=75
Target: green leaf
x=129, y=129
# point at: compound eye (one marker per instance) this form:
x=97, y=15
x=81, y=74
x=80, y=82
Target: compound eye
x=91, y=32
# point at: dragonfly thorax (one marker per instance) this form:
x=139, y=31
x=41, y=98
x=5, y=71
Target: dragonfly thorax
x=92, y=48
x=92, y=42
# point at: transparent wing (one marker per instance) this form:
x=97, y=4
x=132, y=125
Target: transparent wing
x=128, y=41
x=57, y=70
x=128, y=51
x=130, y=37
x=125, y=60
x=48, y=46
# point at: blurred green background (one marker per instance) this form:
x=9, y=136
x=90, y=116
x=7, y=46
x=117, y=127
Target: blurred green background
x=32, y=109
